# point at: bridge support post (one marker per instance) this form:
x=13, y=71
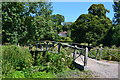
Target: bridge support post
x=74, y=53
x=100, y=53
x=97, y=53
x=86, y=56
x=37, y=46
x=59, y=46
x=47, y=46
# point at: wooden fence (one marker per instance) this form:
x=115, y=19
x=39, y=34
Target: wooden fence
x=57, y=47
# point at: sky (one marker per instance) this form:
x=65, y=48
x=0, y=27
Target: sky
x=72, y=10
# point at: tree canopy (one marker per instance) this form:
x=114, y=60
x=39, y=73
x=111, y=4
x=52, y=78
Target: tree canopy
x=29, y=22
x=98, y=9
x=91, y=27
x=116, y=7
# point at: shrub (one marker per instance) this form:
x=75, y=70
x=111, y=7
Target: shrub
x=111, y=53
x=107, y=53
x=54, y=62
x=63, y=39
x=16, y=74
x=15, y=58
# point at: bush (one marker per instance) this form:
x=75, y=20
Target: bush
x=111, y=53
x=15, y=58
x=16, y=74
x=63, y=39
x=53, y=62
x=107, y=53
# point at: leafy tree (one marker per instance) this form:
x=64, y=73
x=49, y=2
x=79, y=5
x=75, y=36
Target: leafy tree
x=116, y=35
x=116, y=26
x=98, y=9
x=58, y=19
x=39, y=23
x=13, y=22
x=113, y=36
x=116, y=7
x=92, y=27
x=66, y=26
x=26, y=22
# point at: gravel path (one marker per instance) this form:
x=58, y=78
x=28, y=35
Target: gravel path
x=102, y=69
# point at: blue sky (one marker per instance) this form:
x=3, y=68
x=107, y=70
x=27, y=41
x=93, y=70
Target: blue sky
x=72, y=10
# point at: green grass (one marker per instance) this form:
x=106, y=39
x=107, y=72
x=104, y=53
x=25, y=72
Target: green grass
x=68, y=73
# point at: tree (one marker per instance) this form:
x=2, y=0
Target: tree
x=13, y=22
x=92, y=27
x=116, y=25
x=116, y=36
x=98, y=9
x=39, y=22
x=27, y=22
x=58, y=19
x=116, y=7
x=66, y=26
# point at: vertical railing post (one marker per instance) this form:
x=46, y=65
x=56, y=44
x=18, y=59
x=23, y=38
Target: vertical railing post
x=100, y=53
x=37, y=46
x=30, y=47
x=74, y=53
x=59, y=46
x=42, y=48
x=97, y=54
x=47, y=46
x=53, y=43
x=86, y=56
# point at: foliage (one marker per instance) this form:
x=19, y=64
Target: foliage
x=92, y=27
x=40, y=75
x=26, y=22
x=74, y=74
x=13, y=22
x=57, y=20
x=98, y=9
x=66, y=26
x=116, y=7
x=116, y=36
x=64, y=39
x=111, y=54
x=53, y=62
x=116, y=25
x=15, y=58
x=15, y=74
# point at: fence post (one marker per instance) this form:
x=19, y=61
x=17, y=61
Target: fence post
x=37, y=46
x=59, y=46
x=47, y=46
x=100, y=53
x=86, y=56
x=30, y=47
x=74, y=54
x=42, y=48
x=97, y=53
